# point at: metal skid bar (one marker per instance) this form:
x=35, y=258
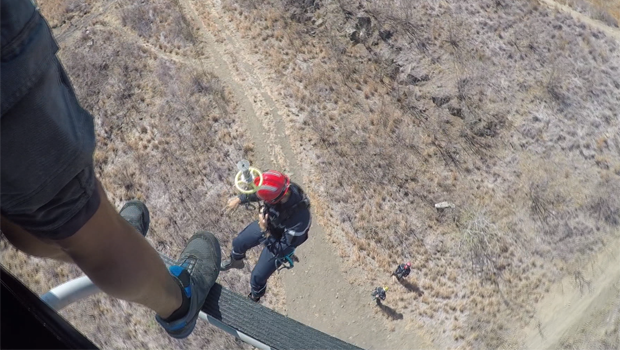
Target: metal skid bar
x=82, y=288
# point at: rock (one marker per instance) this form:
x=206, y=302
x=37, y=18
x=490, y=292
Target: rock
x=363, y=24
x=355, y=37
x=413, y=79
x=456, y=112
x=386, y=34
x=362, y=30
x=445, y=205
x=441, y=100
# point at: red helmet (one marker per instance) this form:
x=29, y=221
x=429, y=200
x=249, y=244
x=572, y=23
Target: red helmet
x=275, y=186
x=408, y=264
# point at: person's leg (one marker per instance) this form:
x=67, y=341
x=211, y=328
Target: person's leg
x=113, y=255
x=123, y=265
x=265, y=267
x=267, y=264
x=248, y=238
x=47, y=139
x=117, y=258
x=48, y=186
x=30, y=244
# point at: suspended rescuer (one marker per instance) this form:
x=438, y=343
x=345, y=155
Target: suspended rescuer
x=283, y=223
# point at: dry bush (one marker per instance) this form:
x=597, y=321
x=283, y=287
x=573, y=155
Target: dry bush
x=59, y=12
x=545, y=201
x=419, y=102
x=605, y=203
x=159, y=22
x=555, y=88
x=484, y=244
x=299, y=9
x=562, y=221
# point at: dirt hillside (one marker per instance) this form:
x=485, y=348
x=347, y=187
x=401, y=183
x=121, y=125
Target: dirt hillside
x=379, y=109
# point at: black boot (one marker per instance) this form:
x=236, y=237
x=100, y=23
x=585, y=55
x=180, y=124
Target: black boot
x=231, y=263
x=253, y=297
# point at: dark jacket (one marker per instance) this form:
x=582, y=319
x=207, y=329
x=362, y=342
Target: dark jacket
x=379, y=293
x=288, y=223
x=402, y=270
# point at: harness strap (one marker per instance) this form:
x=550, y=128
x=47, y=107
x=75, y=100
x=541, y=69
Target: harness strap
x=281, y=262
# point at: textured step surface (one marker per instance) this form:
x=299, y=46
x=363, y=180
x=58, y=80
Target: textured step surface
x=266, y=325
x=263, y=324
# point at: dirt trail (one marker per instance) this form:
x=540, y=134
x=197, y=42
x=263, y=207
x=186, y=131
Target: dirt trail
x=580, y=301
x=577, y=302
x=610, y=31
x=317, y=291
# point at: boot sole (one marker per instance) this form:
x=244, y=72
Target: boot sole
x=144, y=209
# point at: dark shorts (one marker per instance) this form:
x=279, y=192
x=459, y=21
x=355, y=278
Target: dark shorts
x=47, y=182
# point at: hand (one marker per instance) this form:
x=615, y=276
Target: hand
x=262, y=221
x=233, y=204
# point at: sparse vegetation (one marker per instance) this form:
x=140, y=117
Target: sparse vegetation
x=166, y=134
x=422, y=112
x=484, y=244
x=607, y=12
x=506, y=108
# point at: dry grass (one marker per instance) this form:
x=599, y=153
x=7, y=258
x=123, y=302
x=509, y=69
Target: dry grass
x=506, y=108
x=60, y=14
x=167, y=134
x=607, y=12
x=451, y=101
